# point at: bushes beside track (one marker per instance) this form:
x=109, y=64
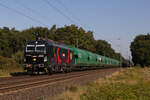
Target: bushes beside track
x=9, y=66
x=127, y=84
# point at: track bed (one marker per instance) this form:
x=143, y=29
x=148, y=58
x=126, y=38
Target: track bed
x=46, y=86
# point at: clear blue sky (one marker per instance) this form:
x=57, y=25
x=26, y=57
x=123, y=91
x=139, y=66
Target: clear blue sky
x=109, y=19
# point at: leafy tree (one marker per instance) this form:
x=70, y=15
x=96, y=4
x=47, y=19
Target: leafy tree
x=140, y=49
x=104, y=48
x=76, y=37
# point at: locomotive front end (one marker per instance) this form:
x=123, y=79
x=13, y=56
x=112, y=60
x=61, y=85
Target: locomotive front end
x=35, y=57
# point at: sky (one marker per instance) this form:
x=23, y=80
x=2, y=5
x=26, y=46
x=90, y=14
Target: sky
x=116, y=21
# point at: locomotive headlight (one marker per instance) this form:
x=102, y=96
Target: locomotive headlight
x=45, y=58
x=34, y=59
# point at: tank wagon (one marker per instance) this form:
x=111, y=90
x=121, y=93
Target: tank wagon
x=83, y=58
x=47, y=56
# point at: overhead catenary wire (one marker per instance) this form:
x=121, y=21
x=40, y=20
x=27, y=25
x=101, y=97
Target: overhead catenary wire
x=63, y=14
x=72, y=15
x=77, y=20
x=22, y=14
x=67, y=10
x=32, y=10
x=59, y=11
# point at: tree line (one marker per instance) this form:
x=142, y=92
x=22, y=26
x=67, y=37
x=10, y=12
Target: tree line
x=12, y=41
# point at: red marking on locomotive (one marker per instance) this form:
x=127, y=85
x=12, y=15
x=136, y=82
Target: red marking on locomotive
x=68, y=57
x=55, y=57
x=59, y=60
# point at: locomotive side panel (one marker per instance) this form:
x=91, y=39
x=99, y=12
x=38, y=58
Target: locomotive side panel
x=61, y=56
x=50, y=55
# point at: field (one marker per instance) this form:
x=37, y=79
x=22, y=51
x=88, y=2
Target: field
x=127, y=84
x=9, y=67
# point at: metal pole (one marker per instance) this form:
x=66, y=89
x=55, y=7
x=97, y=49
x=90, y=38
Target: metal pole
x=129, y=62
x=127, y=57
x=120, y=51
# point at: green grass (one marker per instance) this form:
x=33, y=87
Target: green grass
x=127, y=84
x=117, y=91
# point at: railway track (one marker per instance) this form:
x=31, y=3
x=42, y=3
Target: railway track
x=27, y=82
x=14, y=80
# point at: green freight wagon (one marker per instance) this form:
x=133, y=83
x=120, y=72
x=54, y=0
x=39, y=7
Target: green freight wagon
x=81, y=57
x=85, y=58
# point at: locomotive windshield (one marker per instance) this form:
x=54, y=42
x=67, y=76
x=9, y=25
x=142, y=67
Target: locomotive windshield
x=31, y=48
x=35, y=48
x=40, y=48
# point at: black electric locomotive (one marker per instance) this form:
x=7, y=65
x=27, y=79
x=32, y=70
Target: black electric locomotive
x=47, y=56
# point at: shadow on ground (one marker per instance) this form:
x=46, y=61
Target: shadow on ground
x=19, y=74
x=26, y=73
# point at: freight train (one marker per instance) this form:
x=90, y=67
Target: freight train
x=43, y=55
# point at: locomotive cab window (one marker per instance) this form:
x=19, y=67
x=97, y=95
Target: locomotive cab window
x=40, y=48
x=30, y=48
